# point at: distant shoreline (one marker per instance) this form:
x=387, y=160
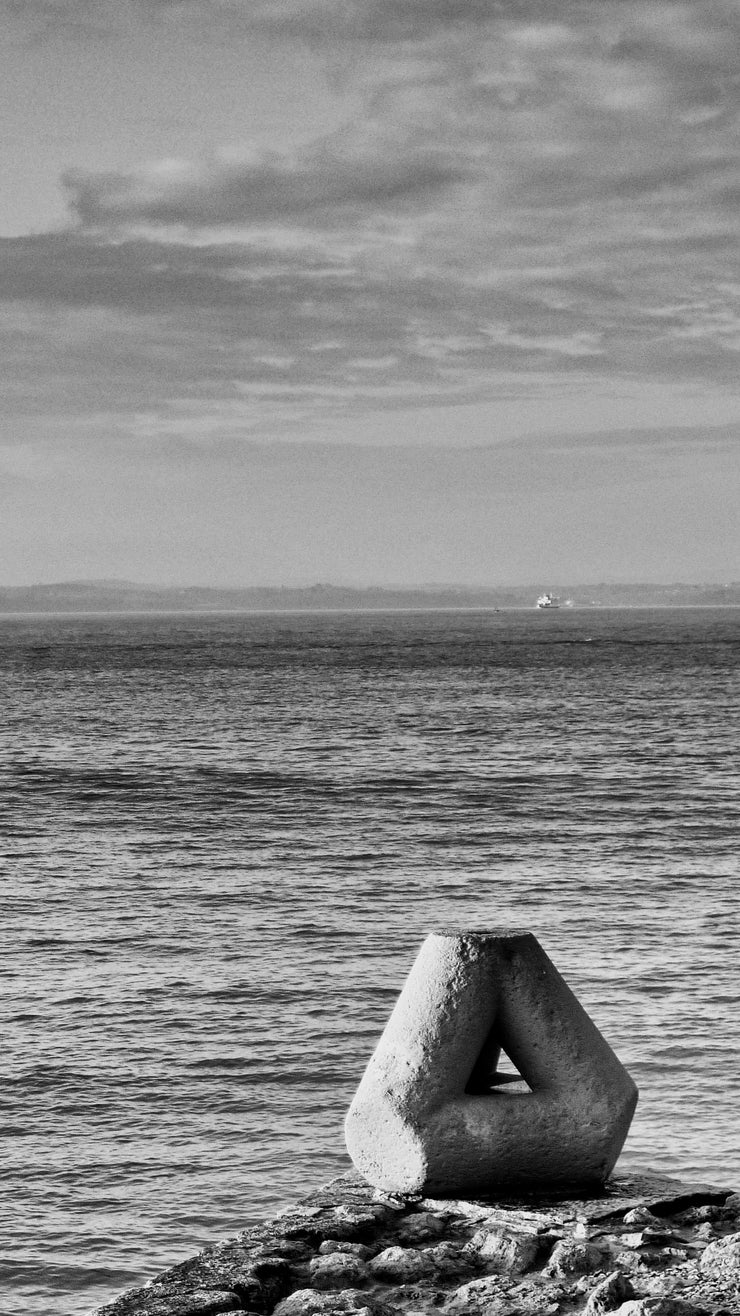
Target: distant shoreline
x=50, y=614
x=112, y=597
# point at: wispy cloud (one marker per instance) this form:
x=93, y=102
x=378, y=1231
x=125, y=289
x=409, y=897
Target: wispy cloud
x=334, y=181
x=521, y=188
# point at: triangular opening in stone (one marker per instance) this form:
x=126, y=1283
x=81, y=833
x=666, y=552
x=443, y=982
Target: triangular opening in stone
x=494, y=1072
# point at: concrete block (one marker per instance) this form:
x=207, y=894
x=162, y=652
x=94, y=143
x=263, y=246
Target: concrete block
x=431, y=1113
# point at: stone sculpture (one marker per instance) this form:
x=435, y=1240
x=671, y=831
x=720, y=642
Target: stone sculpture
x=432, y=1113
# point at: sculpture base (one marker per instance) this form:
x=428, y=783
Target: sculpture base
x=348, y=1248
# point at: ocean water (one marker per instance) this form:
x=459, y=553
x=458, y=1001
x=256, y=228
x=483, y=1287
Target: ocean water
x=224, y=837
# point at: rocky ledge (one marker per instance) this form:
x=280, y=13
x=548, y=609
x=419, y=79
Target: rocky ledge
x=645, y=1246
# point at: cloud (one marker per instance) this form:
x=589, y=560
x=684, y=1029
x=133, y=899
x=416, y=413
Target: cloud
x=313, y=186
x=340, y=20
x=69, y=269
x=519, y=189
x=216, y=339
x=540, y=128
x=77, y=20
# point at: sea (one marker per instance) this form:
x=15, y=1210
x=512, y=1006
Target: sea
x=224, y=837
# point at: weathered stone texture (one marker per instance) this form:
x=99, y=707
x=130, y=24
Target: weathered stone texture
x=309, y=1302
x=400, y=1265
x=657, y=1307
x=433, y=1114
x=420, y=1228
x=723, y=1258
x=609, y=1294
x=506, y=1251
x=350, y=1251
x=338, y=1270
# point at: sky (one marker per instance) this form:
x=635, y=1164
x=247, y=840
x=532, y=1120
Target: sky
x=370, y=291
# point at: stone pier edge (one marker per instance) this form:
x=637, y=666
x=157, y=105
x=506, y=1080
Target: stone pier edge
x=644, y=1245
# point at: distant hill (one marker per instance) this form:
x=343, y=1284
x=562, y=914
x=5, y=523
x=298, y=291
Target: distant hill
x=125, y=596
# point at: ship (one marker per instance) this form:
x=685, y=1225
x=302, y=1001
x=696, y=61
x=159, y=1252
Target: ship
x=548, y=601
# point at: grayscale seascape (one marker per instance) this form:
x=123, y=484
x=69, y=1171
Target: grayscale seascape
x=369, y=565
x=225, y=837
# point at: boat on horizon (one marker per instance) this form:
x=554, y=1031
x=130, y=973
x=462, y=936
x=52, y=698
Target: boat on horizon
x=548, y=601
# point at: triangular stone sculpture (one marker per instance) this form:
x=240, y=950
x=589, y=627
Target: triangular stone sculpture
x=432, y=1114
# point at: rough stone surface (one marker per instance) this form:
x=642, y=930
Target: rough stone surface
x=338, y=1270
x=470, y=1264
x=420, y=1228
x=433, y=1114
x=401, y=1265
x=478, y=1295
x=723, y=1257
x=446, y=1258
x=610, y=1294
x=162, y=1301
x=506, y=1251
x=331, y=1245
x=657, y=1307
x=309, y=1302
x=575, y=1256
x=639, y=1217
x=731, y=1207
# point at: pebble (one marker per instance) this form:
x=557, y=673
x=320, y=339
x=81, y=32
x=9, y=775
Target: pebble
x=640, y=1216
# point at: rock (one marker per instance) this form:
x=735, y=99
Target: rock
x=694, y=1215
x=536, y=1296
x=258, y=1276
x=337, y=1270
x=205, y=1302
x=609, y=1294
x=309, y=1302
x=534, y=1304
x=632, y=1240
x=352, y=1223
x=651, y=1236
x=505, y=1251
x=400, y=1265
x=665, y=1306
x=330, y=1245
x=446, y=1258
x=633, y=1262
x=487, y=1296
x=209, y=1302
x=420, y=1227
x=572, y=1256
x=499, y=1217
x=722, y=1258
x=166, y=1300
x=640, y=1216
x=469, y=1264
